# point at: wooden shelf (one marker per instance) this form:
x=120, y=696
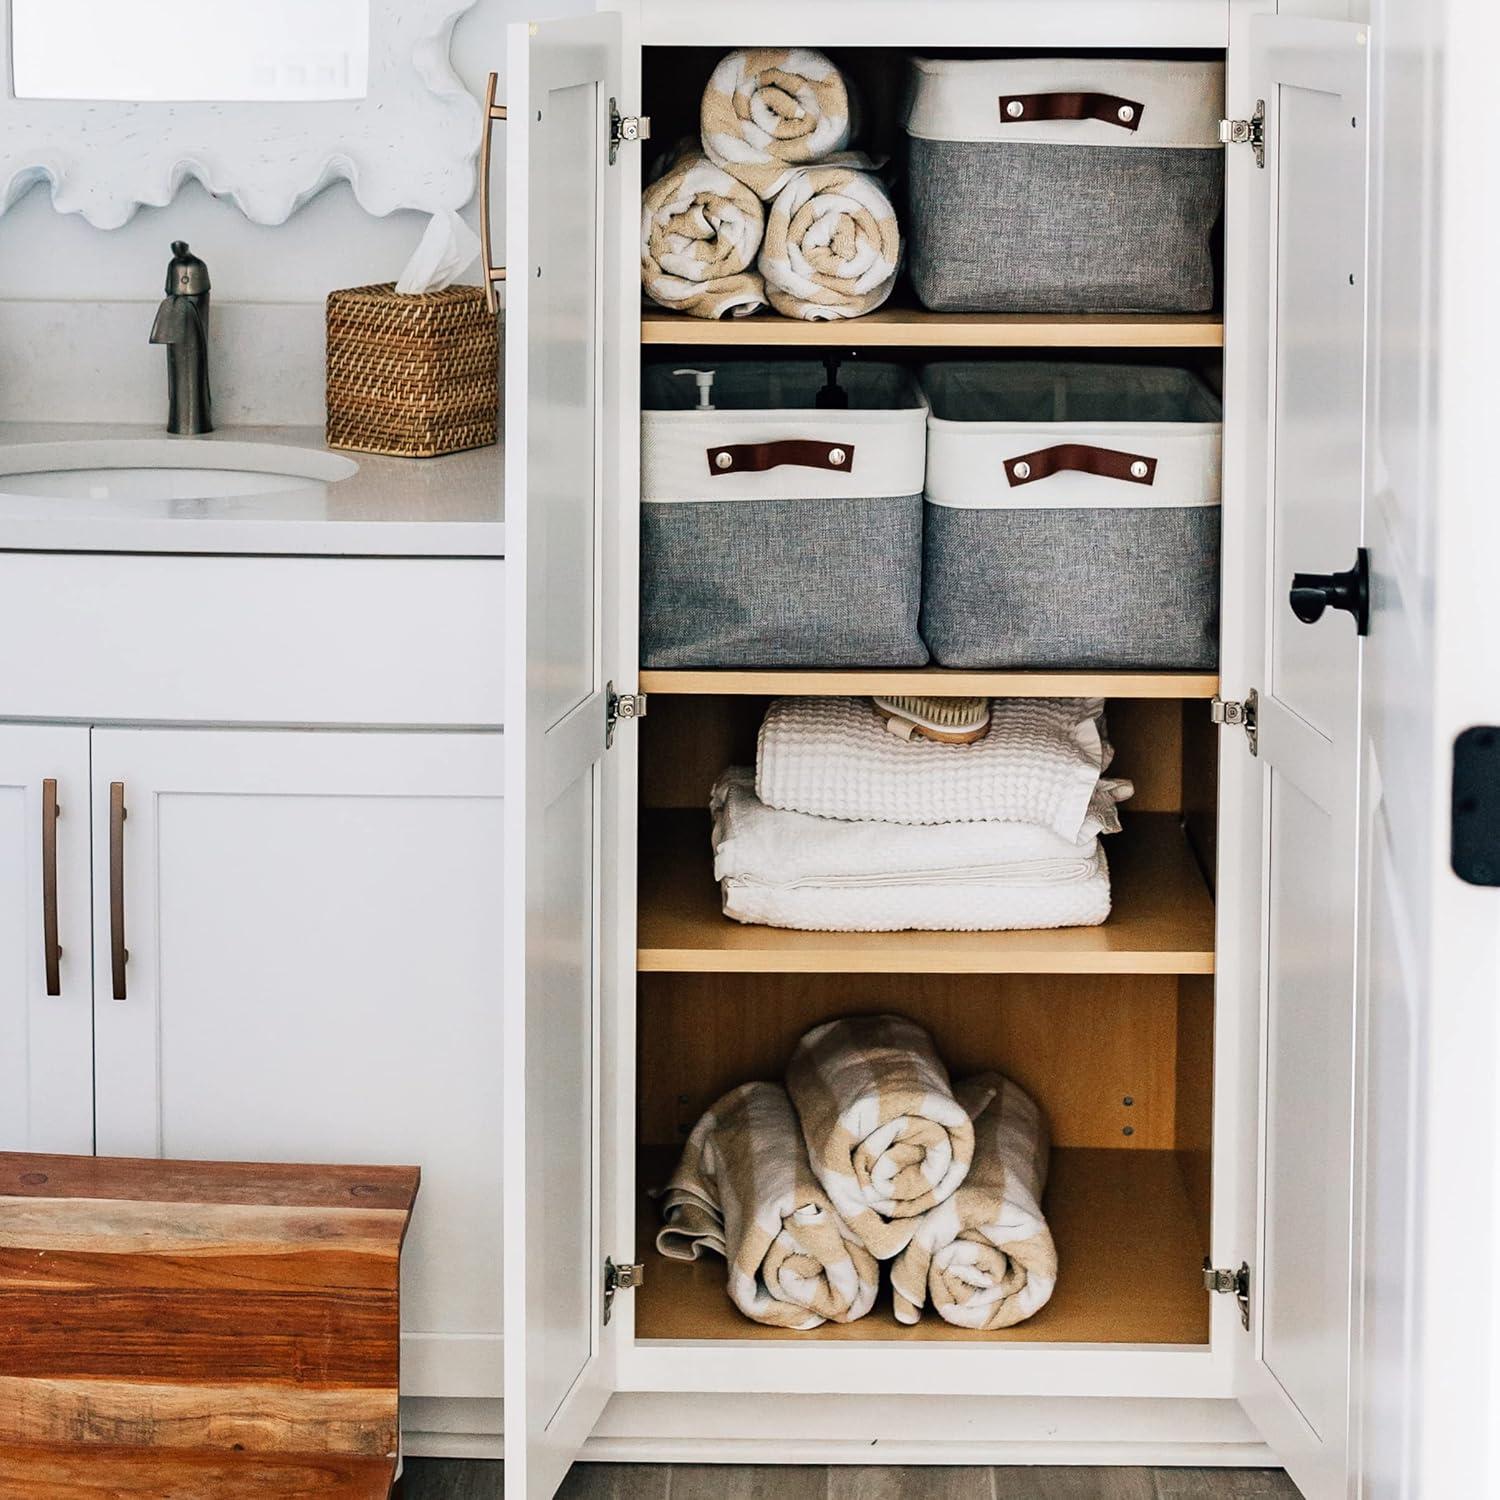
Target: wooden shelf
x=907, y=327
x=1162, y=923
x=941, y=681
x=1129, y=1254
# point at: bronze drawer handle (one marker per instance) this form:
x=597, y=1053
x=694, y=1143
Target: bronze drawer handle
x=119, y=954
x=51, y=953
x=492, y=272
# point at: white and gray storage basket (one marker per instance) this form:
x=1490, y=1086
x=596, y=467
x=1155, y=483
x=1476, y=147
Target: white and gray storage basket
x=1066, y=184
x=775, y=531
x=1072, y=516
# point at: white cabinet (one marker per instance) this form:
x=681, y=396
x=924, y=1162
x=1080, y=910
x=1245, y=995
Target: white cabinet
x=46, y=1056
x=312, y=925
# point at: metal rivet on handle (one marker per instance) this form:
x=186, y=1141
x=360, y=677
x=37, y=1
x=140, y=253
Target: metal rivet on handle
x=1139, y=469
x=836, y=456
x=1021, y=470
x=1015, y=109
x=723, y=460
x=1126, y=114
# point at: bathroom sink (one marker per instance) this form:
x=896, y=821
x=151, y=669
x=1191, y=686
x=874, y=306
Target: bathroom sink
x=168, y=476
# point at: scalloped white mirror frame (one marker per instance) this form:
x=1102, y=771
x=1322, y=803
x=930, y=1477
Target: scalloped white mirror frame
x=409, y=143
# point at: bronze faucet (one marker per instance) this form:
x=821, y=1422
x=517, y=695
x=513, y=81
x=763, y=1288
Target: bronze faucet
x=182, y=325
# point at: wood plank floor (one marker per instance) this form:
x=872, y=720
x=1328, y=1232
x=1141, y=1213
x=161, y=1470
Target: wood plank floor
x=462, y=1479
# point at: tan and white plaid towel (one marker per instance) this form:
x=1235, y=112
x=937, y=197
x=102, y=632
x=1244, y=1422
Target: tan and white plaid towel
x=701, y=231
x=985, y=1258
x=769, y=109
x=832, y=245
x=744, y=1190
x=885, y=1135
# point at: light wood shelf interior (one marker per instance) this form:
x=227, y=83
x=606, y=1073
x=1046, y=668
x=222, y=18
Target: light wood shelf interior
x=1162, y=922
x=911, y=327
x=940, y=681
x=1128, y=1246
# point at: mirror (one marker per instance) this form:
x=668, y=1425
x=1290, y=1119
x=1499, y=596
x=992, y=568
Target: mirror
x=163, y=50
x=116, y=103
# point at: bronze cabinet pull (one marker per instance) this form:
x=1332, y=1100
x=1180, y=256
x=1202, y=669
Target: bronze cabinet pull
x=51, y=953
x=1108, y=463
x=119, y=954
x=492, y=272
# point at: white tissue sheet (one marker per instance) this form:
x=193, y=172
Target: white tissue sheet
x=446, y=250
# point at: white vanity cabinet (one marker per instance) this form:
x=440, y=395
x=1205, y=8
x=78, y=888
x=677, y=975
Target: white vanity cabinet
x=1200, y=1056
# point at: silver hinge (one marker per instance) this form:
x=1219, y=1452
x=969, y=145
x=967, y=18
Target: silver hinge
x=624, y=1278
x=1235, y=1283
x=1251, y=132
x=1231, y=711
x=624, y=129
x=619, y=706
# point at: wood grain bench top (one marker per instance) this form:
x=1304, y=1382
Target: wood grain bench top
x=65, y=1471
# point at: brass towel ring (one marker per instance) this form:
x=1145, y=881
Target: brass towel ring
x=492, y=272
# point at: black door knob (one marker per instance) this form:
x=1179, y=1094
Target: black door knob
x=1312, y=593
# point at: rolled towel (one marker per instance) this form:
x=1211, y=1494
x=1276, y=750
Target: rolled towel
x=885, y=1135
x=767, y=110
x=832, y=245
x=744, y=1190
x=1041, y=763
x=701, y=232
x=985, y=1258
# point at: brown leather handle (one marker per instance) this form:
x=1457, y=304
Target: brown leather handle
x=756, y=458
x=1017, y=109
x=1108, y=463
x=119, y=954
x=51, y=951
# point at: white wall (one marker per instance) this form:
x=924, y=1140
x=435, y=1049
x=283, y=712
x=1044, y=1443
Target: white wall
x=76, y=303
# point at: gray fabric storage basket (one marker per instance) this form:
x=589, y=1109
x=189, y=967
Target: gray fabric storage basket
x=1072, y=517
x=774, y=533
x=1064, y=184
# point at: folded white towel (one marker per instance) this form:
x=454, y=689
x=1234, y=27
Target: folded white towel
x=1040, y=763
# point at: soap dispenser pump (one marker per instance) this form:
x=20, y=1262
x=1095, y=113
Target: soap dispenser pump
x=705, y=379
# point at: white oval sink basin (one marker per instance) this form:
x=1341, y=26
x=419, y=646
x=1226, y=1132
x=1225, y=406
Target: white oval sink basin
x=163, y=474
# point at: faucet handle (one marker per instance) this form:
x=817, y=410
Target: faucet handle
x=187, y=275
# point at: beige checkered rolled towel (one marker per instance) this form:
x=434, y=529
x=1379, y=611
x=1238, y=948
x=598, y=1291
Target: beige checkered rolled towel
x=985, y=1258
x=885, y=1135
x=744, y=1190
x=701, y=231
x=767, y=110
x=832, y=245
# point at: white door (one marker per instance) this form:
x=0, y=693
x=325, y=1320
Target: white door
x=314, y=974
x=1428, y=1340
x=560, y=482
x=46, y=1024
x=1294, y=1367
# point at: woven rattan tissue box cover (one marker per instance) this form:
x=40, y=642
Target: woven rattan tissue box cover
x=413, y=376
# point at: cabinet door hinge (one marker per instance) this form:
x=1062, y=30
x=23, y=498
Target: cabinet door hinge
x=619, y=706
x=624, y=129
x=1235, y=1283
x=620, y=1278
x=1251, y=132
x=1233, y=711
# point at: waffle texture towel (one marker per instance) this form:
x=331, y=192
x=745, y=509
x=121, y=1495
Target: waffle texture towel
x=769, y=110
x=701, y=232
x=985, y=1258
x=832, y=245
x=744, y=1190
x=786, y=869
x=1041, y=763
x=885, y=1135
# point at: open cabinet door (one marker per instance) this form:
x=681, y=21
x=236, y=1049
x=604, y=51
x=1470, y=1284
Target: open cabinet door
x=1294, y=1367
x=561, y=653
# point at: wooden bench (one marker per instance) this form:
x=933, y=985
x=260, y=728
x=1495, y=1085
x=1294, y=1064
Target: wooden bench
x=199, y=1329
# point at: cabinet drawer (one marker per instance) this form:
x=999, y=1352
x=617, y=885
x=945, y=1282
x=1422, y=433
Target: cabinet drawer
x=251, y=639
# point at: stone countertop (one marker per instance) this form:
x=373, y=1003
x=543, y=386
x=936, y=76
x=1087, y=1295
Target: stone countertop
x=392, y=507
